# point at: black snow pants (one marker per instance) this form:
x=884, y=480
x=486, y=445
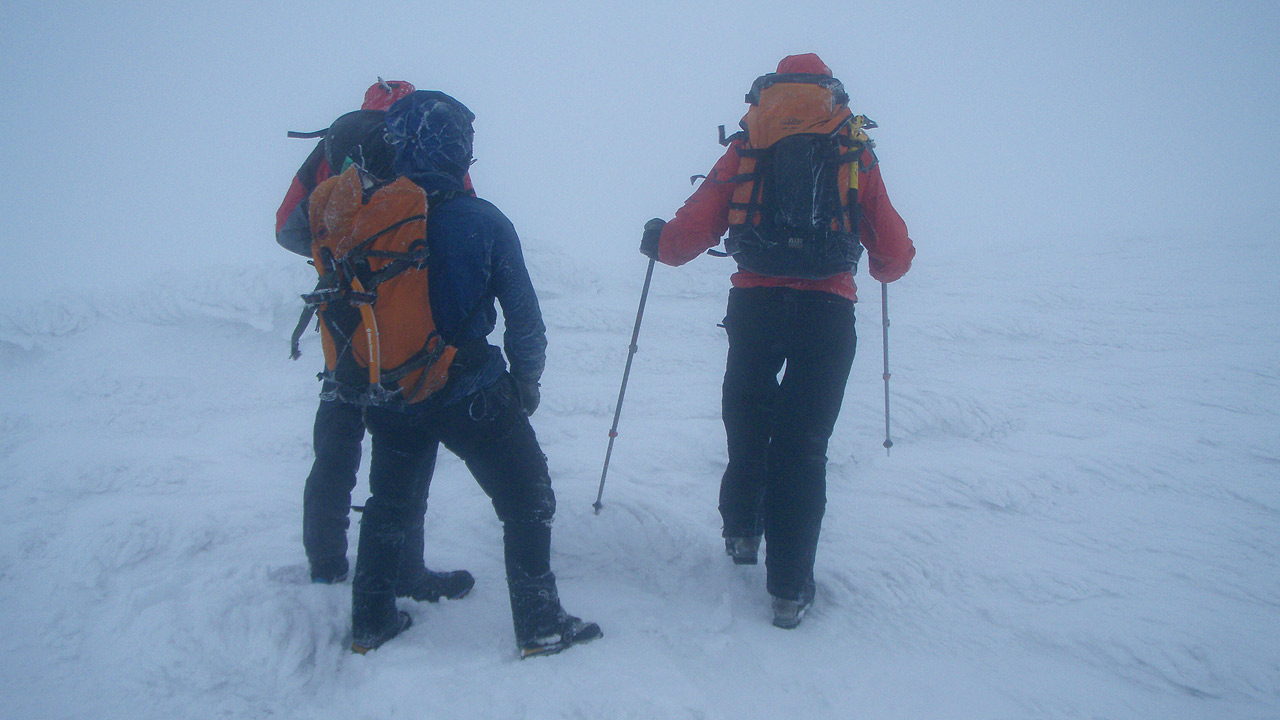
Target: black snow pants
x=326, y=497
x=492, y=435
x=778, y=431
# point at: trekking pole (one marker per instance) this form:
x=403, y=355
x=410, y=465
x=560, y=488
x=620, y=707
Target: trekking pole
x=884, y=321
x=613, y=432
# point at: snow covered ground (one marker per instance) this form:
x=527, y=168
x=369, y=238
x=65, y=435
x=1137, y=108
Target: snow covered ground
x=1080, y=517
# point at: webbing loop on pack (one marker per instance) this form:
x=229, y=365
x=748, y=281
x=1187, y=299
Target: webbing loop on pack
x=727, y=140
x=295, y=349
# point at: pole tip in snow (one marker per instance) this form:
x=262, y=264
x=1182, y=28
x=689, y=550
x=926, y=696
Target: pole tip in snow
x=598, y=506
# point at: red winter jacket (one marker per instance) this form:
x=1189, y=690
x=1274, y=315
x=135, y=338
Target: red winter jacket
x=704, y=218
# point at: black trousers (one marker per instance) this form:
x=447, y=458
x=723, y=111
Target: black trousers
x=326, y=497
x=492, y=435
x=778, y=430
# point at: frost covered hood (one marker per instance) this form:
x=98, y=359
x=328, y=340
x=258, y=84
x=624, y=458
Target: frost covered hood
x=432, y=134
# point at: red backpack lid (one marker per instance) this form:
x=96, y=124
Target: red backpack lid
x=383, y=93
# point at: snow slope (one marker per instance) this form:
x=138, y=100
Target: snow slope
x=1080, y=517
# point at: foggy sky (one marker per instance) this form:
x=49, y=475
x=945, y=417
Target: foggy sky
x=151, y=136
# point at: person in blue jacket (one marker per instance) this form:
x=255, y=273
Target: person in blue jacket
x=339, y=427
x=482, y=413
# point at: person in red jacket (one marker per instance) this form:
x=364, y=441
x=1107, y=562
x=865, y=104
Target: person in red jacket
x=293, y=229
x=777, y=431
x=339, y=427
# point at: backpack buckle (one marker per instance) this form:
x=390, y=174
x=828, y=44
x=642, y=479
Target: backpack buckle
x=362, y=298
x=319, y=297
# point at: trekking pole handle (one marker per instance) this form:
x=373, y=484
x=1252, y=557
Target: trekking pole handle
x=626, y=373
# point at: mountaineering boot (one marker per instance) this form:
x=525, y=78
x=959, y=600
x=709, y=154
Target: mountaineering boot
x=542, y=626
x=375, y=620
x=787, y=614
x=330, y=572
x=431, y=585
x=742, y=549
x=415, y=580
x=571, y=631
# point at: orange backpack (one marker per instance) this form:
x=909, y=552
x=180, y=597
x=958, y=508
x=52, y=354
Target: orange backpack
x=369, y=246
x=795, y=211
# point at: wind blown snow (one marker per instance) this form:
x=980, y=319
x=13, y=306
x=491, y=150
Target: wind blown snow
x=1080, y=516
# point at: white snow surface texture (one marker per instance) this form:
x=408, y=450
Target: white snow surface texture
x=1080, y=517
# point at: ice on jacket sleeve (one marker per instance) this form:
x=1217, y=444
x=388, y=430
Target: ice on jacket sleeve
x=525, y=337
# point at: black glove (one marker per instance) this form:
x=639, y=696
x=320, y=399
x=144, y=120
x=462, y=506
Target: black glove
x=529, y=395
x=649, y=241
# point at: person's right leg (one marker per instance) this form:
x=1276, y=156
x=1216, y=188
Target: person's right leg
x=819, y=355
x=493, y=437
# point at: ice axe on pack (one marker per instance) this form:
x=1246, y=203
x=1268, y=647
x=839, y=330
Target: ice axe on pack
x=626, y=372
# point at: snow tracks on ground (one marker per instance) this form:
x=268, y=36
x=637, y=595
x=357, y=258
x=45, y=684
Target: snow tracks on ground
x=1080, y=516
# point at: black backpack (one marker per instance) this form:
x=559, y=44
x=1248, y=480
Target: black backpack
x=795, y=212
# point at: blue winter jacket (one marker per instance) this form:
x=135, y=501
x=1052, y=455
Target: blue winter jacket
x=475, y=253
x=476, y=258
